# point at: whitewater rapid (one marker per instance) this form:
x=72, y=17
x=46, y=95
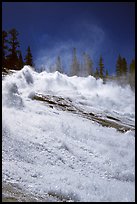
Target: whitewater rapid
x=60, y=155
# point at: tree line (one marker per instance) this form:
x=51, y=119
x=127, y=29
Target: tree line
x=11, y=54
x=124, y=73
x=12, y=59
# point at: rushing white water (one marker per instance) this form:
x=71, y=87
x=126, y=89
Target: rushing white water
x=50, y=152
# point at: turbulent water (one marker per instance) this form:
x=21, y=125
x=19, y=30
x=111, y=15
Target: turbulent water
x=50, y=154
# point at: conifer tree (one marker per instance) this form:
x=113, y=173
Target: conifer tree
x=87, y=65
x=132, y=74
x=59, y=65
x=12, y=62
x=28, y=57
x=96, y=74
x=101, y=67
x=75, y=66
x=132, y=66
x=121, y=67
x=118, y=66
x=124, y=67
x=20, y=61
x=4, y=48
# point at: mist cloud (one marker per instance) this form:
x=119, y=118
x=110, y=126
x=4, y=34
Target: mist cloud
x=85, y=37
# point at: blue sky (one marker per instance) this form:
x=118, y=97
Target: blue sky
x=52, y=29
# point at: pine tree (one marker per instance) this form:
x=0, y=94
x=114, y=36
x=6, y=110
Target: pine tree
x=132, y=66
x=59, y=65
x=96, y=74
x=101, y=67
x=124, y=67
x=81, y=69
x=28, y=57
x=87, y=65
x=20, y=61
x=132, y=74
x=119, y=66
x=75, y=66
x=4, y=48
x=105, y=76
x=14, y=44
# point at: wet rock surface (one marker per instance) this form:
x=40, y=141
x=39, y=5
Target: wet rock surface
x=65, y=104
